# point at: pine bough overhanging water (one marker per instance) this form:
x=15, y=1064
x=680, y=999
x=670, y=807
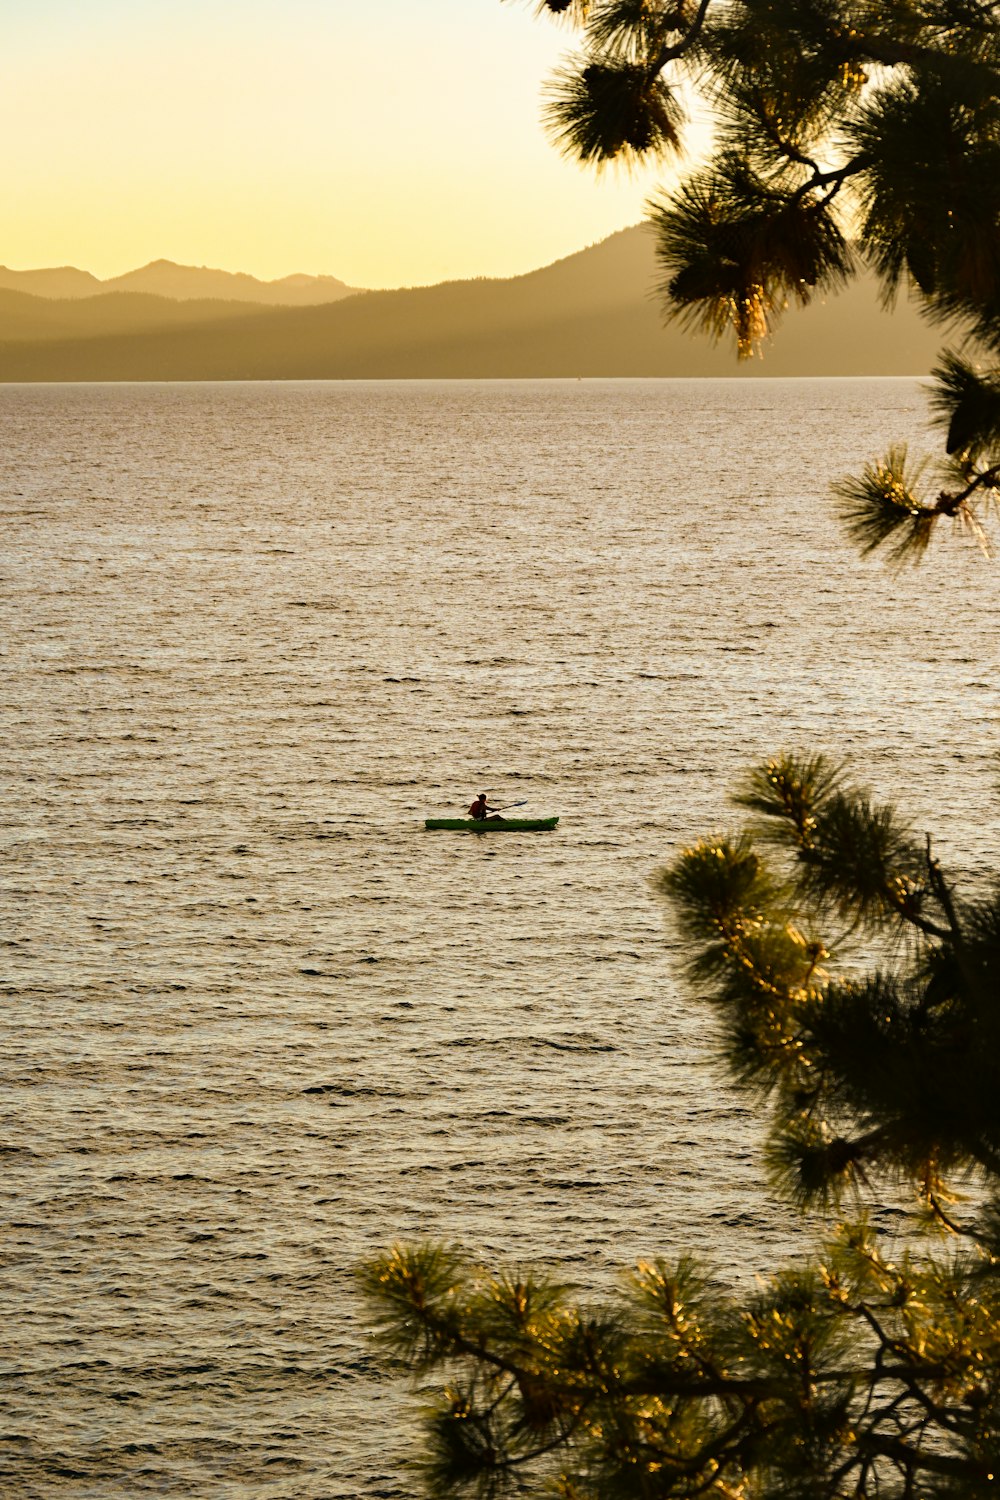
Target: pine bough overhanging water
x=857, y=988
x=845, y=134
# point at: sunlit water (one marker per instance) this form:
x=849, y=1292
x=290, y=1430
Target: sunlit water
x=258, y=1023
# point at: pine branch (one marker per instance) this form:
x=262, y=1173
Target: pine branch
x=923, y=1461
x=669, y=54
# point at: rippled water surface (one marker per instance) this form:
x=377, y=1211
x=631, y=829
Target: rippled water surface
x=257, y=1022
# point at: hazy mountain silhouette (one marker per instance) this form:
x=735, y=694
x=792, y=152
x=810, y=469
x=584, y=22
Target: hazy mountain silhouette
x=162, y=278
x=28, y=318
x=57, y=281
x=591, y=314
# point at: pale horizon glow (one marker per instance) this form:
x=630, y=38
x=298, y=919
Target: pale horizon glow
x=387, y=145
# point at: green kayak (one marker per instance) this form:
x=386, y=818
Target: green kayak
x=492, y=825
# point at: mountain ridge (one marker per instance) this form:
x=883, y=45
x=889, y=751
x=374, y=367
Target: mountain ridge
x=591, y=313
x=167, y=278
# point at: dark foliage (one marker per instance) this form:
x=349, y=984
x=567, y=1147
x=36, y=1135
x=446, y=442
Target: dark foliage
x=847, y=134
x=857, y=1374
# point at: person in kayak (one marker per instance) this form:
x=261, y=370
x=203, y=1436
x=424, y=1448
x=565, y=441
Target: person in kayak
x=481, y=807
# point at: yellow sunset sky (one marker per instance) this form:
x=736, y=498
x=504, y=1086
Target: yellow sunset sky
x=385, y=142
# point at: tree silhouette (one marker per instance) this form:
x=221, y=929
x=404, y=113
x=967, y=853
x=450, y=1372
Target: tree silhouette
x=845, y=134
x=856, y=1374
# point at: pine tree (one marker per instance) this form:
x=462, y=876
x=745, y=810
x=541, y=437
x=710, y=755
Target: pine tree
x=856, y=986
x=846, y=134
x=856, y=1374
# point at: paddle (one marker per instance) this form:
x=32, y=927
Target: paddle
x=508, y=805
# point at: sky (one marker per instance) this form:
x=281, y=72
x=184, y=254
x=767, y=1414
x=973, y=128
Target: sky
x=385, y=142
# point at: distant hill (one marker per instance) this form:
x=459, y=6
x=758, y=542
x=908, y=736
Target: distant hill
x=591, y=314
x=26, y=318
x=58, y=281
x=162, y=278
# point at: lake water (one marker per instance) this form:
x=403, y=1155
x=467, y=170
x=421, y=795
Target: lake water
x=257, y=1022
